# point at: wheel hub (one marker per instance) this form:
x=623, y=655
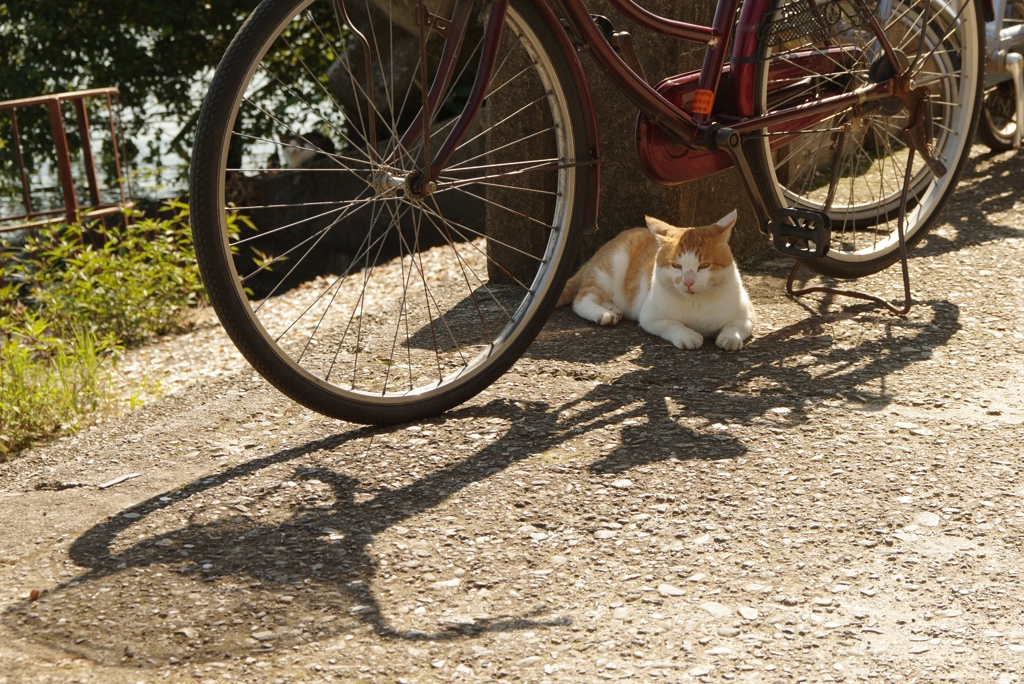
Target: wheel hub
x=387, y=184
x=880, y=71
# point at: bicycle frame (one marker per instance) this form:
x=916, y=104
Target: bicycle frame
x=696, y=130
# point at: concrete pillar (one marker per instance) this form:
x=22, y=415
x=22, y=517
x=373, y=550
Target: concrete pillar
x=626, y=193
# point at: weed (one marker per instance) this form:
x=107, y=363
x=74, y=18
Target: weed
x=132, y=282
x=70, y=298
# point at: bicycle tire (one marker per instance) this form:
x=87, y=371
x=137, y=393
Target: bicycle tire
x=998, y=121
x=798, y=172
x=428, y=327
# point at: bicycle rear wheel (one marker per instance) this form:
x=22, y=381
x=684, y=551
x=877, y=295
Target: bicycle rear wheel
x=836, y=52
x=352, y=296
x=998, y=122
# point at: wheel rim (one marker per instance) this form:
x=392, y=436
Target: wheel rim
x=426, y=303
x=865, y=208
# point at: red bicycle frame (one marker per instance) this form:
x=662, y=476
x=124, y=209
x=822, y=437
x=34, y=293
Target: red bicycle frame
x=695, y=130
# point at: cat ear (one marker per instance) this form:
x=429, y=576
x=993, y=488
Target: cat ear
x=723, y=226
x=659, y=228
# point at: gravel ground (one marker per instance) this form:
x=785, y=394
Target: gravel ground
x=839, y=501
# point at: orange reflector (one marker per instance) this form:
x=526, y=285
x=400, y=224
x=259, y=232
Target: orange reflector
x=702, y=101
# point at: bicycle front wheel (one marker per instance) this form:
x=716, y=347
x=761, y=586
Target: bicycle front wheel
x=350, y=293
x=807, y=53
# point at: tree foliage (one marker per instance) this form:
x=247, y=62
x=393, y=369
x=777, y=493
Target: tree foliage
x=151, y=50
x=154, y=51
x=144, y=47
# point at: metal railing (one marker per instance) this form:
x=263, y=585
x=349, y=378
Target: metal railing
x=72, y=211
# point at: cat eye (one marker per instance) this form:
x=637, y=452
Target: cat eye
x=679, y=266
x=703, y=266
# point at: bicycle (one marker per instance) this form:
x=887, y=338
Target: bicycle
x=431, y=261
x=1003, y=105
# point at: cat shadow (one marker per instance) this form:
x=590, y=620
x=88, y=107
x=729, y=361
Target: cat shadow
x=701, y=397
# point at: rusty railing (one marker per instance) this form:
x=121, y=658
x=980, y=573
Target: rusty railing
x=72, y=211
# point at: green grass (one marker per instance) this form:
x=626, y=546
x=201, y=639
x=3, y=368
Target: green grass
x=70, y=299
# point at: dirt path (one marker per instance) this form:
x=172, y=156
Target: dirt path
x=837, y=502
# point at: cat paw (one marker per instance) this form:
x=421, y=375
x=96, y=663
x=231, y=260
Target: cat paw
x=729, y=340
x=687, y=339
x=609, y=318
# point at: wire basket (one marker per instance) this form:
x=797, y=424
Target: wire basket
x=802, y=19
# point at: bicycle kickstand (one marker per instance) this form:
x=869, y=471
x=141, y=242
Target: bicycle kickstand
x=917, y=136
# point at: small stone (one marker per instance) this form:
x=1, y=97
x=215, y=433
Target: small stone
x=754, y=588
x=728, y=631
x=262, y=636
x=717, y=609
x=622, y=484
x=906, y=426
x=701, y=670
x=702, y=539
x=188, y=632
x=529, y=660
x=669, y=590
x=720, y=650
x=781, y=410
x=919, y=649
x=823, y=601
x=951, y=612
x=922, y=432
x=832, y=624
x=437, y=664
x=621, y=613
x=559, y=560
x=132, y=516
x=928, y=519
x=129, y=650
x=904, y=499
x=604, y=534
x=454, y=582
x=748, y=613
x=699, y=577
x=868, y=592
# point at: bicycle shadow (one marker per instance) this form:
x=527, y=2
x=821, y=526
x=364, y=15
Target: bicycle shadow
x=301, y=564
x=215, y=585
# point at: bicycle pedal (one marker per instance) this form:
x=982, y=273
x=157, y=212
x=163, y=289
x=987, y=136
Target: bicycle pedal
x=800, y=233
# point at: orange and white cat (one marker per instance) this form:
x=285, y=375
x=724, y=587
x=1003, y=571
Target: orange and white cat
x=679, y=283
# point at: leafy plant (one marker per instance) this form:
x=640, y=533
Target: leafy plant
x=48, y=385
x=130, y=283
x=70, y=298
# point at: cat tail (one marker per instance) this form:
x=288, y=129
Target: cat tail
x=572, y=287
